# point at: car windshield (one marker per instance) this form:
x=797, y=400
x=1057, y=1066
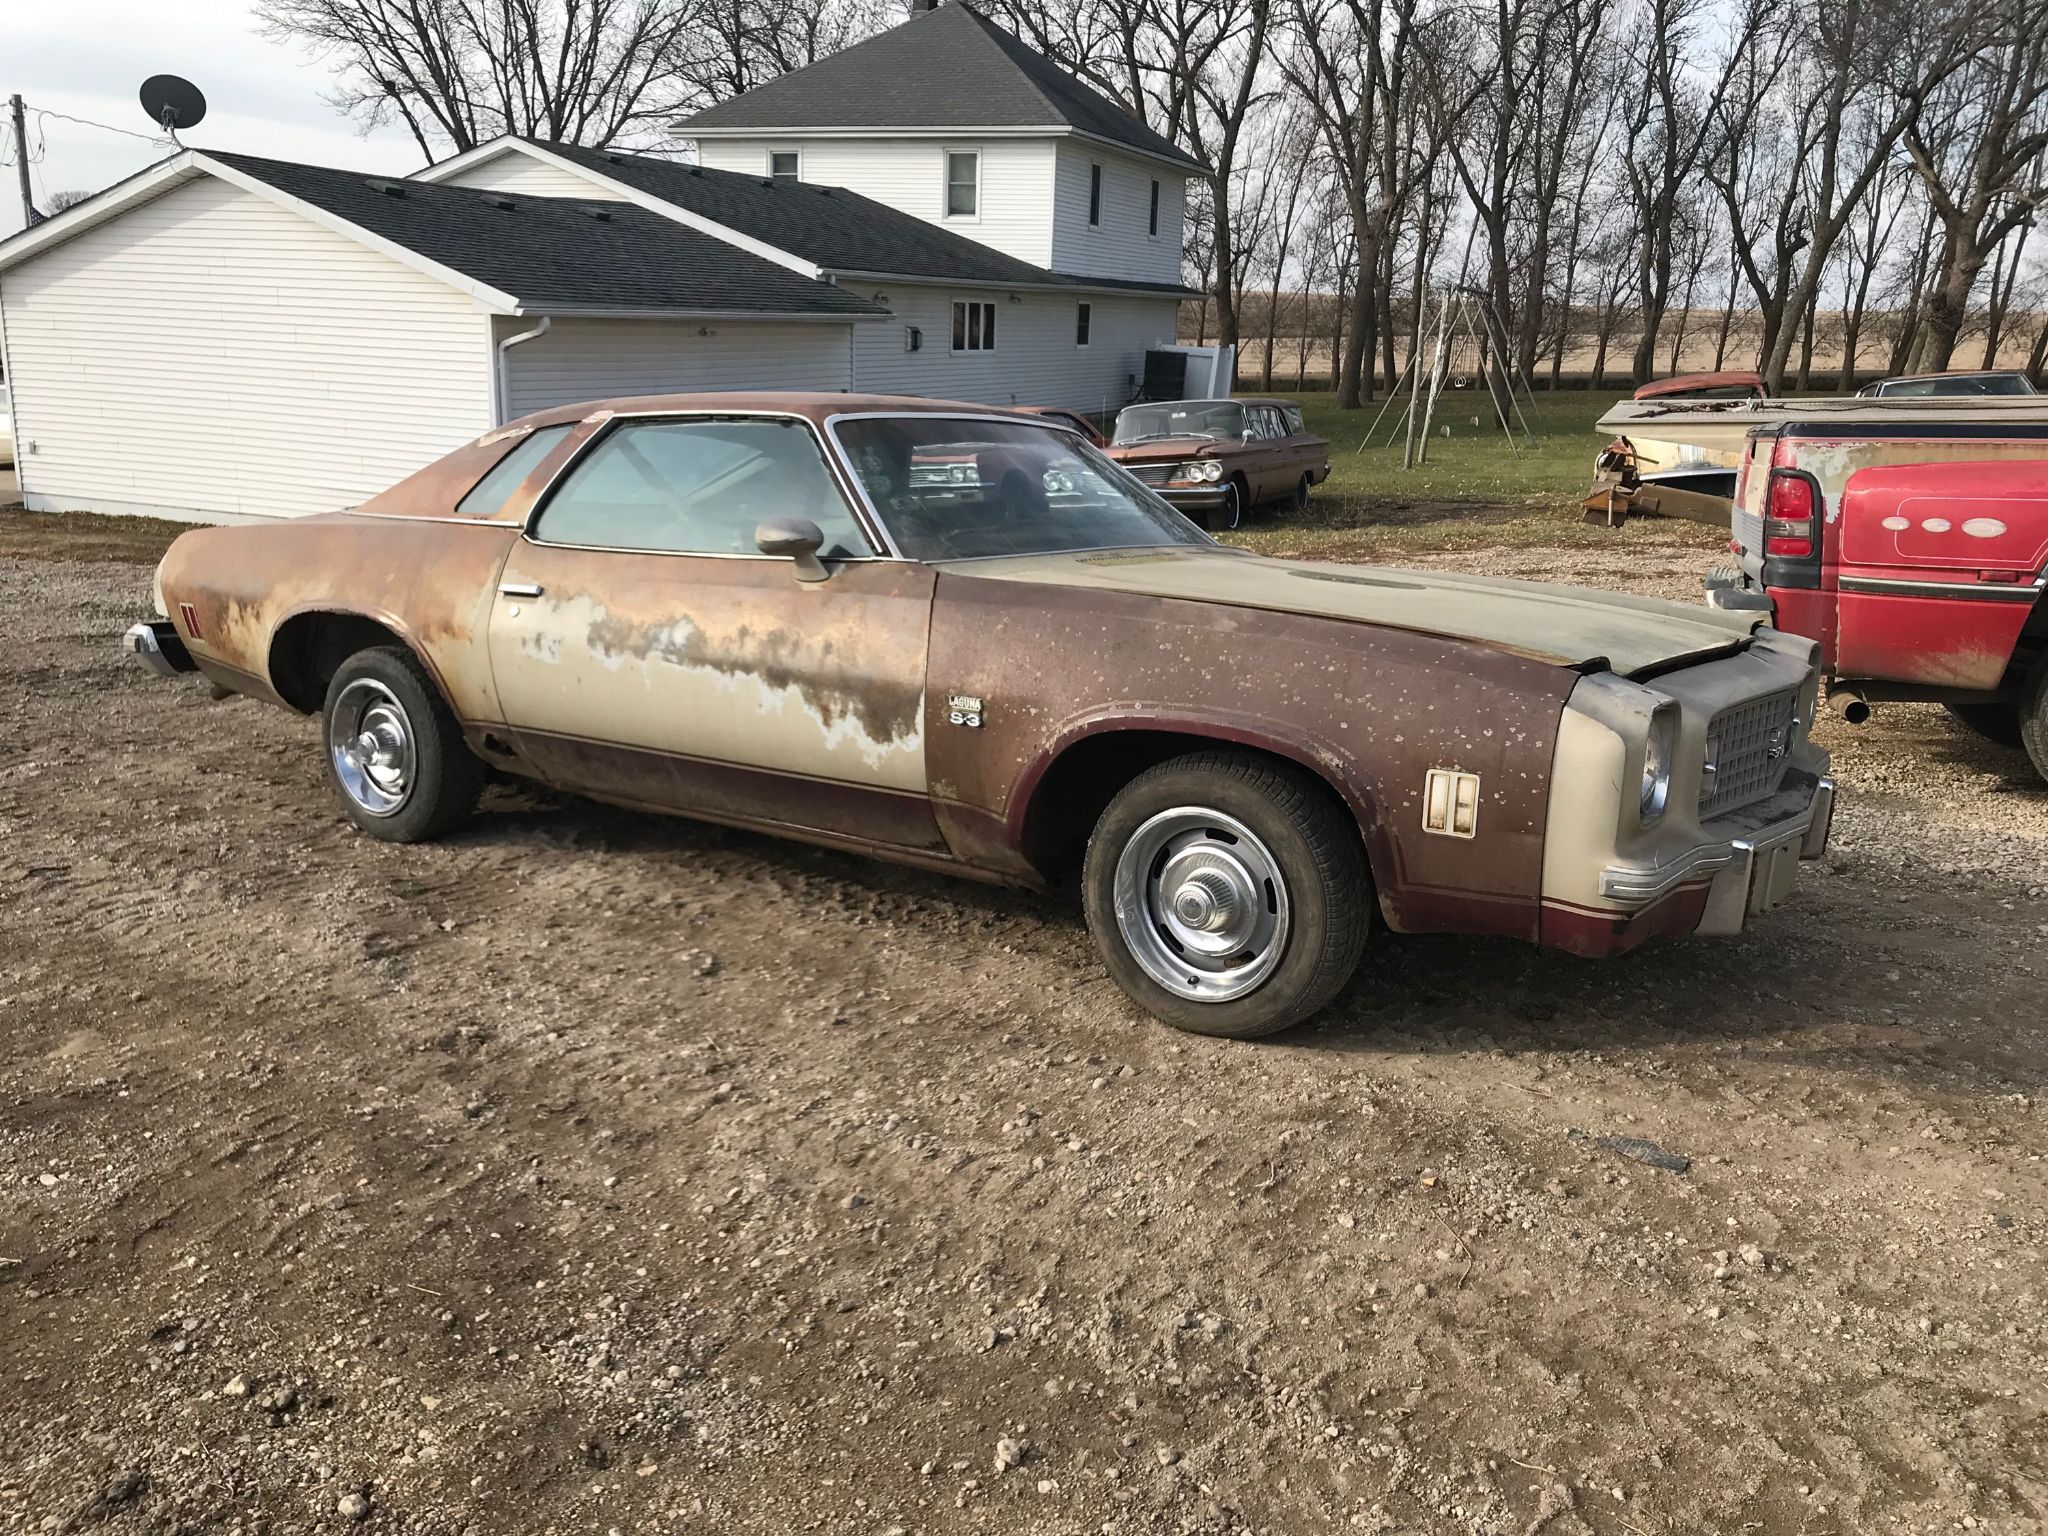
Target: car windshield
x=952, y=489
x=1960, y=384
x=1180, y=418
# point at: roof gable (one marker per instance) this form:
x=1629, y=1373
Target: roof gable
x=948, y=68
x=513, y=254
x=803, y=224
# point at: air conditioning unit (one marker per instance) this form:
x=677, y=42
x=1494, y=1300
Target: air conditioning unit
x=913, y=338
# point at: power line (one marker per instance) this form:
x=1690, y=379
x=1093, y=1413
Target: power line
x=45, y=112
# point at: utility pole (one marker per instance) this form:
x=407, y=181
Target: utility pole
x=15, y=112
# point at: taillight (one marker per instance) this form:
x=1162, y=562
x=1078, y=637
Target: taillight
x=1789, y=517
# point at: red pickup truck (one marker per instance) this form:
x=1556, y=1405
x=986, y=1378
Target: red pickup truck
x=1915, y=554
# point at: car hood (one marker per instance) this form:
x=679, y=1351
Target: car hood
x=1171, y=448
x=1570, y=626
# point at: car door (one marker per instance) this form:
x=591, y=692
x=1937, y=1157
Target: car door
x=1269, y=453
x=646, y=652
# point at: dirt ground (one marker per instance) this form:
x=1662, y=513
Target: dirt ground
x=590, y=1173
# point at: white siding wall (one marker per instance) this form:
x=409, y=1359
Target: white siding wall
x=514, y=172
x=1035, y=361
x=909, y=175
x=1120, y=245
x=210, y=353
x=593, y=359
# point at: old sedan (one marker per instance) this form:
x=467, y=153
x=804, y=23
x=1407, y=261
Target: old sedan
x=1218, y=459
x=770, y=611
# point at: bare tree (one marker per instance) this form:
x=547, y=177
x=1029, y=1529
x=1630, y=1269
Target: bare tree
x=460, y=72
x=1977, y=145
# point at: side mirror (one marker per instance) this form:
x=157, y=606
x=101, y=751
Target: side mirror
x=799, y=539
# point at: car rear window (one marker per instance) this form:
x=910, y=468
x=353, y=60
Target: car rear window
x=491, y=493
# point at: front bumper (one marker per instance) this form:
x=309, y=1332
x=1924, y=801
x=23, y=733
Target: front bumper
x=1194, y=498
x=157, y=645
x=1748, y=873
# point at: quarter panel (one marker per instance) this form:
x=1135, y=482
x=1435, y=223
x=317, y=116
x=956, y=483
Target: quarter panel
x=429, y=582
x=1369, y=709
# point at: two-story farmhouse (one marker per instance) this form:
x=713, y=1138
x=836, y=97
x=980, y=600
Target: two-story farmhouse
x=936, y=211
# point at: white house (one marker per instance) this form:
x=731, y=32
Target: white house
x=937, y=211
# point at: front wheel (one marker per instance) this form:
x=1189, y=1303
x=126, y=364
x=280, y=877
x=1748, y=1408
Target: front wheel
x=394, y=752
x=1228, y=893
x=1231, y=512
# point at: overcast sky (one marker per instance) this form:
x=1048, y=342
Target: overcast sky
x=88, y=59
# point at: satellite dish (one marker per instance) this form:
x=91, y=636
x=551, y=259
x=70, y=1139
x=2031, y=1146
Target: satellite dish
x=172, y=103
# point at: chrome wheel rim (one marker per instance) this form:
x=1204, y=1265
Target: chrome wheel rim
x=1201, y=904
x=371, y=739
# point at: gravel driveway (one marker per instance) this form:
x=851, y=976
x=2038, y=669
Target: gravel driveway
x=590, y=1172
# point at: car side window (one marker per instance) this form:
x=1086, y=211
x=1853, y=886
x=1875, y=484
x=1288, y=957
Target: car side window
x=510, y=472
x=698, y=487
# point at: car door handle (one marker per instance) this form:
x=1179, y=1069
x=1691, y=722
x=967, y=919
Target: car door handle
x=519, y=589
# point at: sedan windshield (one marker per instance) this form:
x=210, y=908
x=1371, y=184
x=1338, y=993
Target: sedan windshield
x=1180, y=418
x=951, y=489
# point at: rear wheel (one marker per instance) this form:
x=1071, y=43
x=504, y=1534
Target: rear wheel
x=394, y=753
x=1994, y=722
x=2034, y=718
x=1298, y=502
x=1228, y=893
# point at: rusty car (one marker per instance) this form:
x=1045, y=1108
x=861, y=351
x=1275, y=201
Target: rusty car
x=757, y=610
x=1216, y=460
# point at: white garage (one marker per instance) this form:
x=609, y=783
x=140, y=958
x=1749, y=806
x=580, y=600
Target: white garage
x=229, y=337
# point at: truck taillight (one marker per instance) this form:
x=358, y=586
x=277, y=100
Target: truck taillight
x=1789, y=517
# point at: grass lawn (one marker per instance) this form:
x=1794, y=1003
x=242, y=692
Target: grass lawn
x=1473, y=490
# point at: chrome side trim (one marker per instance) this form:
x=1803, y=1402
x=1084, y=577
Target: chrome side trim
x=1979, y=591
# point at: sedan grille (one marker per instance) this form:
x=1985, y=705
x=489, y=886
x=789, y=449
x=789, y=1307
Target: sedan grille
x=1750, y=747
x=1153, y=474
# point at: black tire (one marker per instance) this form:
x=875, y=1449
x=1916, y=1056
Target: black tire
x=1999, y=723
x=1316, y=848
x=1232, y=513
x=2033, y=718
x=1298, y=502
x=444, y=778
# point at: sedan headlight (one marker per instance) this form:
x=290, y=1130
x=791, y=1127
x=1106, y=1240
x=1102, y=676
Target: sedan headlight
x=1657, y=761
x=1200, y=470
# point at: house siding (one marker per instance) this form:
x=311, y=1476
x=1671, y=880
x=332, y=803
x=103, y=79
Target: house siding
x=1035, y=361
x=1120, y=246
x=513, y=172
x=211, y=354
x=909, y=175
x=594, y=359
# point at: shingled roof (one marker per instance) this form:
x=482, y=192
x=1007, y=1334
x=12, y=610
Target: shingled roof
x=838, y=230
x=557, y=254
x=948, y=68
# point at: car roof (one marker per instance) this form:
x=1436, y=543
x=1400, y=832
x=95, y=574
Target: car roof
x=815, y=405
x=1682, y=383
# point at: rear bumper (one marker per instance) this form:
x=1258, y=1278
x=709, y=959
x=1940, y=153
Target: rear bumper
x=155, y=643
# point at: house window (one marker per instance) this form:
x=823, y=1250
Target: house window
x=963, y=184
x=1094, y=194
x=1152, y=225
x=785, y=165
x=1082, y=315
x=974, y=326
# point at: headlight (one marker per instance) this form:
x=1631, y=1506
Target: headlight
x=1657, y=761
x=1212, y=469
x=1200, y=470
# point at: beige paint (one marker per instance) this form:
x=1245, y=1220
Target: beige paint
x=1718, y=428
x=1593, y=822
x=1562, y=624
x=731, y=660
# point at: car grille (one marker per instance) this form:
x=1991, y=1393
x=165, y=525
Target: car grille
x=1753, y=746
x=1153, y=474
